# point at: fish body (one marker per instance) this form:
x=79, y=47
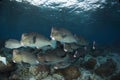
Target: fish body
x=24, y=56
x=62, y=35
x=42, y=41
x=61, y=65
x=53, y=57
x=35, y=40
x=70, y=47
x=12, y=43
x=28, y=39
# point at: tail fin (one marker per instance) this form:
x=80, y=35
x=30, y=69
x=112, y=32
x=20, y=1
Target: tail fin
x=12, y=43
x=3, y=59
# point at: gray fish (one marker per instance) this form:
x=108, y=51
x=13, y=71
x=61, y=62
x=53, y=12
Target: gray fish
x=53, y=57
x=12, y=43
x=62, y=35
x=28, y=39
x=70, y=47
x=61, y=65
x=20, y=56
x=36, y=40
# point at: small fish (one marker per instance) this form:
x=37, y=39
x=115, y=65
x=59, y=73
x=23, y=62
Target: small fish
x=3, y=59
x=62, y=35
x=28, y=39
x=12, y=43
x=36, y=40
x=20, y=56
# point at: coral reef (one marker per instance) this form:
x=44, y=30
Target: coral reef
x=39, y=71
x=107, y=68
x=54, y=77
x=87, y=75
x=115, y=77
x=101, y=66
x=7, y=68
x=97, y=52
x=90, y=64
x=69, y=73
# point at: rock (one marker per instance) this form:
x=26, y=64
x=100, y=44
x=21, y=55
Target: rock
x=69, y=73
x=90, y=64
x=3, y=77
x=97, y=52
x=6, y=53
x=115, y=77
x=7, y=68
x=14, y=77
x=87, y=75
x=39, y=71
x=54, y=77
x=107, y=68
x=22, y=73
x=39, y=68
x=72, y=73
x=58, y=77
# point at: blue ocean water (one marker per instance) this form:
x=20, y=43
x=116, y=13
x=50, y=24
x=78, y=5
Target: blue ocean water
x=101, y=25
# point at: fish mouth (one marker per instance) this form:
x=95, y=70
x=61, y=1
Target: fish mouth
x=52, y=37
